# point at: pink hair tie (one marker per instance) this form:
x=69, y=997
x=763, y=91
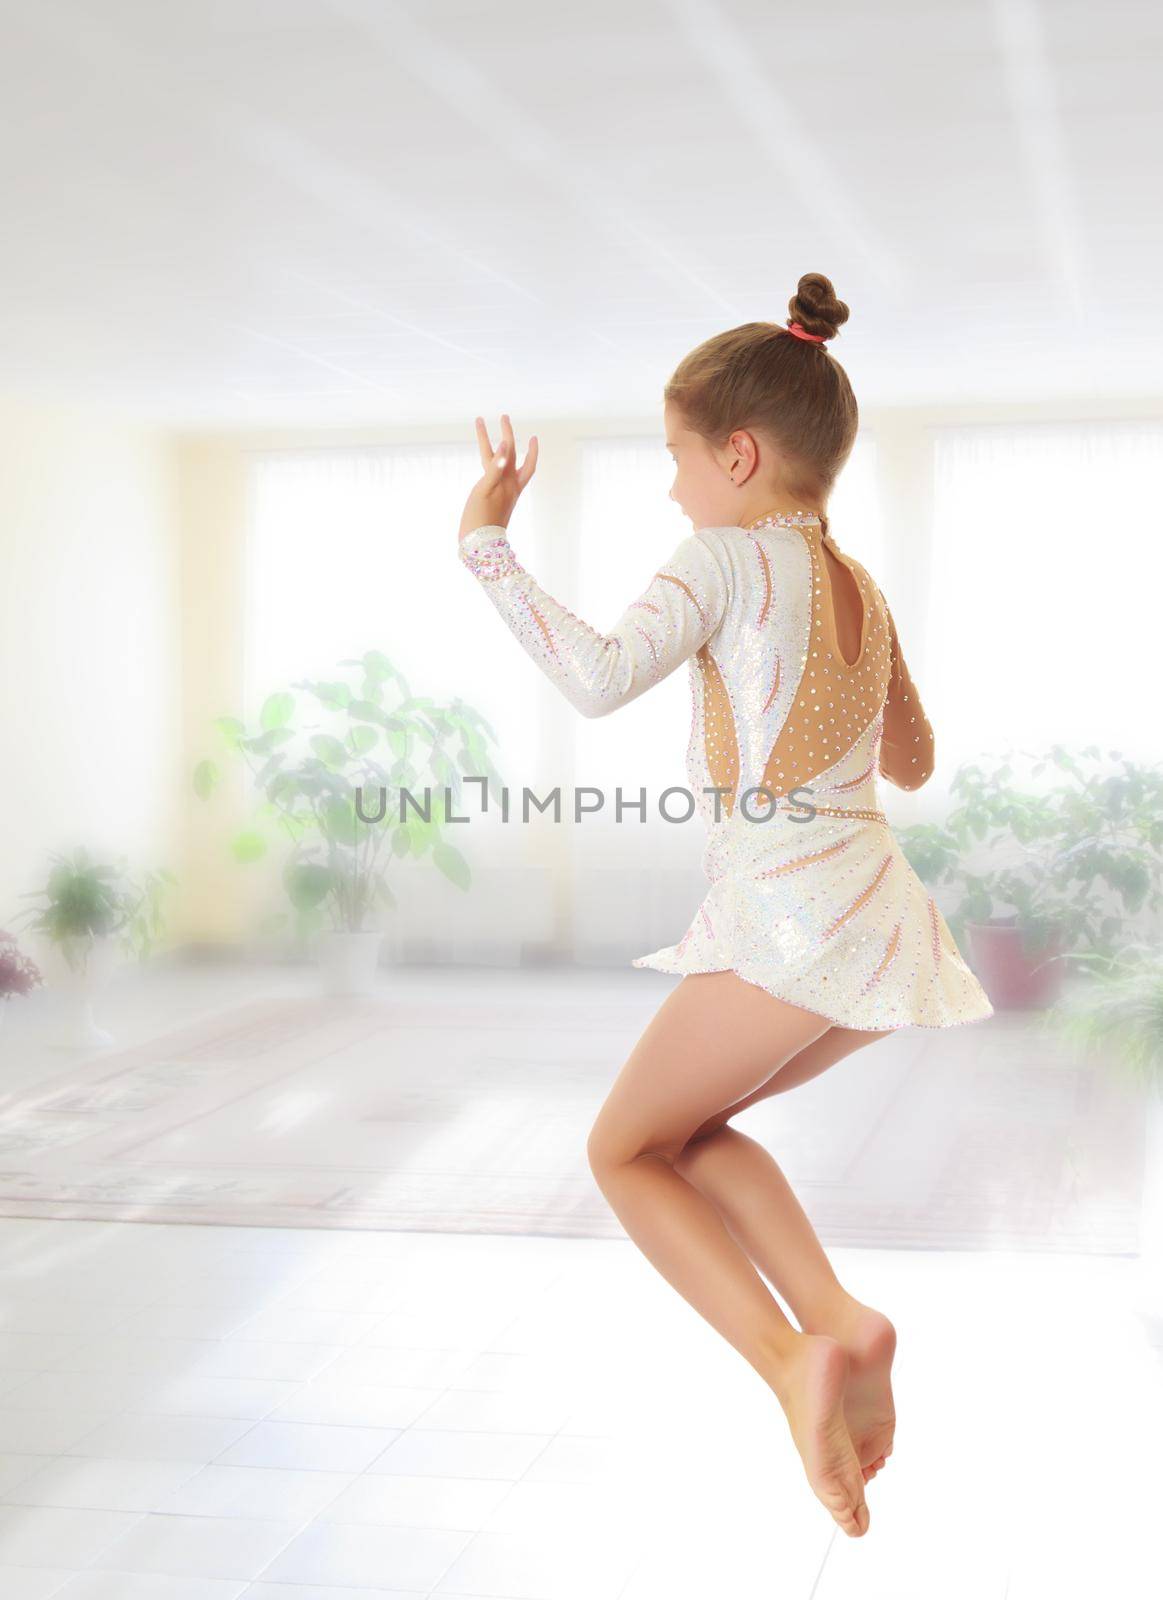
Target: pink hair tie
x=801, y=333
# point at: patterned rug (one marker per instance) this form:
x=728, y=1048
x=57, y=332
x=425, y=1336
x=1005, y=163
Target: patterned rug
x=471, y=1117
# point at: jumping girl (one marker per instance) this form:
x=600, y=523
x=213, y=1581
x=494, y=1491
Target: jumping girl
x=816, y=936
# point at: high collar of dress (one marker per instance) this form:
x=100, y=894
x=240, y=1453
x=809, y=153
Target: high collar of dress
x=807, y=521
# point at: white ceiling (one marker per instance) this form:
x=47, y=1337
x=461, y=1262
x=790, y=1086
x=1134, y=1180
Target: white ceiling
x=356, y=211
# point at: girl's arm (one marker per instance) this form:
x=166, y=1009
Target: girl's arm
x=907, y=746
x=597, y=672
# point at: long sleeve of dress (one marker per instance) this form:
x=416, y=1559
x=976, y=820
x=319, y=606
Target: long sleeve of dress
x=907, y=747
x=679, y=610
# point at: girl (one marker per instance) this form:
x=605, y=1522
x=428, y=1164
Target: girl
x=816, y=936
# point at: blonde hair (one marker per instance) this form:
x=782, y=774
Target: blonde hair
x=763, y=378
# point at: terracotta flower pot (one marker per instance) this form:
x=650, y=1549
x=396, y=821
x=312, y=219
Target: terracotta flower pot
x=1013, y=980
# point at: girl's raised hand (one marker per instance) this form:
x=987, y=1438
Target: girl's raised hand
x=492, y=500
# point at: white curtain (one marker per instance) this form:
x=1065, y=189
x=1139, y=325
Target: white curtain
x=354, y=549
x=1044, y=588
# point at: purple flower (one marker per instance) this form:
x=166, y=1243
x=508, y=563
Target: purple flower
x=18, y=974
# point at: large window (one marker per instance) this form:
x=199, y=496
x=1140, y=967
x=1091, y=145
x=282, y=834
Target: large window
x=1044, y=587
x=352, y=550
x=355, y=549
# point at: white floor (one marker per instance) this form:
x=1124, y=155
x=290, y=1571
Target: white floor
x=201, y=1413
x=196, y=1412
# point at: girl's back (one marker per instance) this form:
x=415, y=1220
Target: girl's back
x=802, y=686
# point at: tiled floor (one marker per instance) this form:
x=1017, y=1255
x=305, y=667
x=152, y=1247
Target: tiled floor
x=202, y=1413
x=197, y=1412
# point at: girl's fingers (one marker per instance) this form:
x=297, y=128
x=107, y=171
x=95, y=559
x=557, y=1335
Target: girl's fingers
x=496, y=461
x=483, y=441
x=492, y=459
x=529, y=465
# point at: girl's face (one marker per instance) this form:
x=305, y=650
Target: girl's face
x=703, y=485
x=727, y=486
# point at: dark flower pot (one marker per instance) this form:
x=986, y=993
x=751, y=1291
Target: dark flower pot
x=1013, y=980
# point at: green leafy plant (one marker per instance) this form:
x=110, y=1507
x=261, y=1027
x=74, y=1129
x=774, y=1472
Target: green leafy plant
x=86, y=898
x=1116, y=1009
x=1076, y=858
x=337, y=753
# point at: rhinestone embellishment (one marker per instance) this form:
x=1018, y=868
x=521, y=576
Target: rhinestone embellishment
x=784, y=519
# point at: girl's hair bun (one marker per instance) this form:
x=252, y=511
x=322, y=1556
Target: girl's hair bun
x=815, y=306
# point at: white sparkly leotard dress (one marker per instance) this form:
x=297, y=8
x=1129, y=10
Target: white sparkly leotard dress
x=810, y=895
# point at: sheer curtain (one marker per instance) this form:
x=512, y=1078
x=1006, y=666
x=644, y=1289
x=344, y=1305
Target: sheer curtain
x=634, y=880
x=1044, y=588
x=354, y=549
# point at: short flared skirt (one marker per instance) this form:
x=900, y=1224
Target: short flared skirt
x=827, y=915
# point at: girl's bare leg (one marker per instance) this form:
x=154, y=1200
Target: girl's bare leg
x=714, y=1040
x=760, y=1210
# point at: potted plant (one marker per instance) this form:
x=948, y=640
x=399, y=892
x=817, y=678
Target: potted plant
x=88, y=908
x=331, y=762
x=1045, y=872
x=19, y=975
x=1116, y=1011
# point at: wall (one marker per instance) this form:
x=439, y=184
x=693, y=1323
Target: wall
x=90, y=654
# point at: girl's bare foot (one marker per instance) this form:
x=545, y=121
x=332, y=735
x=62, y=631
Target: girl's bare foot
x=810, y=1385
x=869, y=1341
